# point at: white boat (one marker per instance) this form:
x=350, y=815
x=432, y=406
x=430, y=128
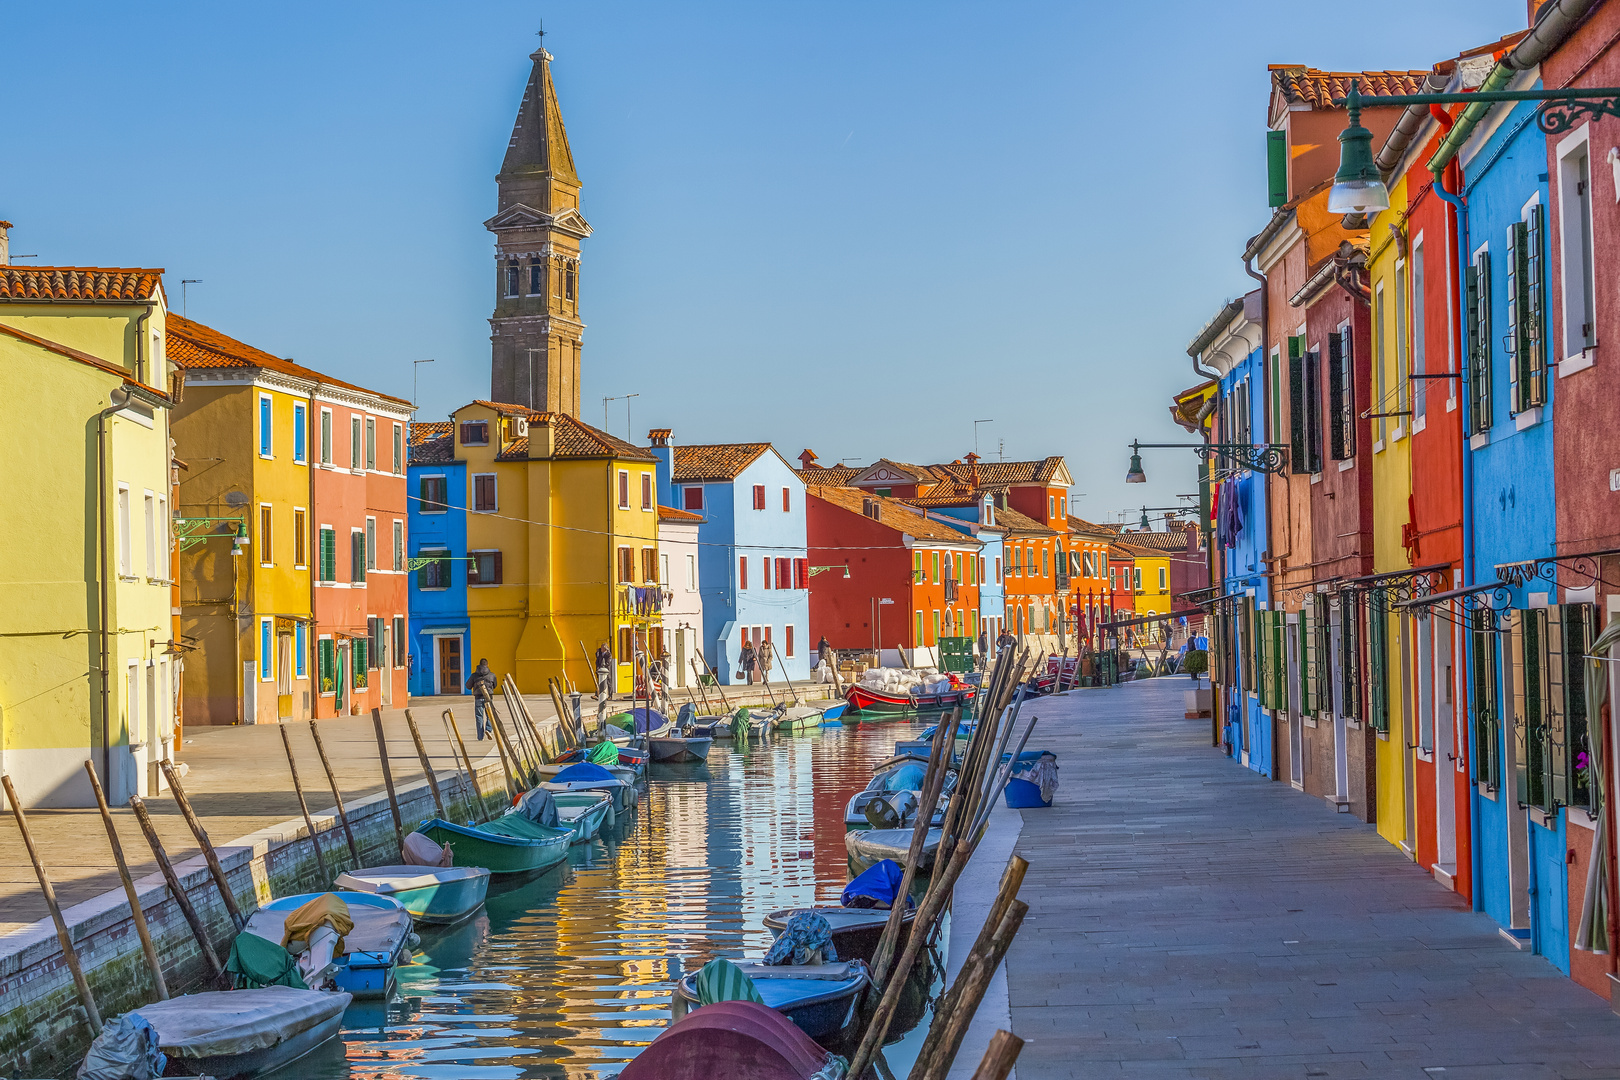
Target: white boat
x=380, y=940
x=432, y=894
x=243, y=1032
x=617, y=781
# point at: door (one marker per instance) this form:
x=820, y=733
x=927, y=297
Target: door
x=1296, y=726
x=1447, y=757
x=680, y=658
x=449, y=665
x=1409, y=742
x=1334, y=677
x=385, y=665
x=284, y=667
x=340, y=696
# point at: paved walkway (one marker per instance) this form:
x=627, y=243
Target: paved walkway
x=1190, y=919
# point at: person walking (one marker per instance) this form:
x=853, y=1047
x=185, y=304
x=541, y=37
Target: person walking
x=823, y=651
x=604, y=669
x=745, y=661
x=482, y=686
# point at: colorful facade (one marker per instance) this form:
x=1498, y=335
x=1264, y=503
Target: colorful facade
x=436, y=486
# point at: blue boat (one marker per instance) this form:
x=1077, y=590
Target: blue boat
x=820, y=999
x=432, y=894
x=379, y=942
x=617, y=782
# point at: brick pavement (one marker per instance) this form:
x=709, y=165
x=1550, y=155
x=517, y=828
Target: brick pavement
x=1191, y=919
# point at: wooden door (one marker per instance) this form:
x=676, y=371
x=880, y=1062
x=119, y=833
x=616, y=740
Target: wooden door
x=449, y=665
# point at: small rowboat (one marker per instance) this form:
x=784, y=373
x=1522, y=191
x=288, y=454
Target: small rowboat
x=855, y=931
x=432, y=894
x=243, y=1032
x=379, y=942
x=511, y=844
x=869, y=847
x=799, y=718
x=583, y=811
x=820, y=999
x=731, y=1038
x=615, y=781
x=676, y=748
x=864, y=699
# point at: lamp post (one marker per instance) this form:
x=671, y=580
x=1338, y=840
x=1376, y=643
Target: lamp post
x=416, y=369
x=1260, y=457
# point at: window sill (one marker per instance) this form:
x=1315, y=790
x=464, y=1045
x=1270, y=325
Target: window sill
x=1378, y=446
x=1580, y=817
x=1310, y=721
x=1346, y=466
x=1485, y=791
x=267, y=566
x=1541, y=817
x=1420, y=424
x=1451, y=404
x=483, y=585
x=1425, y=755
x=434, y=588
x=1579, y=362
x=1383, y=736
x=1479, y=441
x=1397, y=435
x=129, y=579
x=1527, y=419
x=1316, y=478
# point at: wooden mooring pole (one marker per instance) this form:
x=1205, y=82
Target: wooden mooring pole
x=175, y=888
x=303, y=806
x=197, y=830
x=337, y=796
x=388, y=780
x=137, y=913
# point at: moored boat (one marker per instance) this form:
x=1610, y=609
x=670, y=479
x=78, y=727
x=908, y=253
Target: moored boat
x=585, y=812
x=864, y=699
x=432, y=894
x=733, y=1038
x=677, y=748
x=377, y=944
x=799, y=718
x=510, y=844
x=616, y=781
x=855, y=931
x=820, y=999
x=869, y=847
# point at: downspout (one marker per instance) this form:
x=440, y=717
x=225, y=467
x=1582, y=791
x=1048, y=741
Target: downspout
x=120, y=398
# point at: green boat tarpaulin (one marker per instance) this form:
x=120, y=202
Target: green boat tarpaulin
x=604, y=753
x=721, y=980
x=256, y=962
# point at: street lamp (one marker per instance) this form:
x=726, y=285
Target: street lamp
x=1261, y=457
x=1358, y=187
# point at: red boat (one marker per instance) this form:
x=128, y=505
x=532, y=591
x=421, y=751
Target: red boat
x=865, y=699
x=726, y=1040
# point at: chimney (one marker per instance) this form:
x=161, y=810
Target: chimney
x=543, y=436
x=807, y=459
x=663, y=448
x=659, y=436
x=973, y=464
x=5, y=243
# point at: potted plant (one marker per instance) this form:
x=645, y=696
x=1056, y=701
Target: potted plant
x=1195, y=663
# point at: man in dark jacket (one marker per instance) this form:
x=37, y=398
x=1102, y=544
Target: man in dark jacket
x=604, y=669
x=745, y=661
x=481, y=685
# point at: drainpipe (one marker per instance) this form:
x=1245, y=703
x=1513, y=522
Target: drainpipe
x=120, y=398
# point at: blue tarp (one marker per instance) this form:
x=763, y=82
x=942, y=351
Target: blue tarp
x=648, y=720
x=907, y=777
x=876, y=888
x=584, y=772
x=539, y=807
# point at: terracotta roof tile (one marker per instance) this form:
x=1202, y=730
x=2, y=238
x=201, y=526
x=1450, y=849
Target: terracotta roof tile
x=670, y=513
x=504, y=408
x=1014, y=522
x=428, y=430
x=195, y=346
x=1003, y=473
x=431, y=443
x=573, y=438
x=1161, y=541
x=716, y=461
x=78, y=283
x=1301, y=85
x=892, y=513
x=831, y=474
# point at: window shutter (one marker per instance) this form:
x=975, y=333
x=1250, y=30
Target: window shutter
x=1307, y=633
x=1336, y=397
x=1313, y=407
x=1480, y=358
x=499, y=575
x=1516, y=669
x=1535, y=312
x=1554, y=715
x=473, y=577
x=1512, y=341
x=1299, y=462
x=742, y=571
x=1276, y=168
x=1350, y=639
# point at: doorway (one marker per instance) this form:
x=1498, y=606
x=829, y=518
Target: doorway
x=1296, y=732
x=1408, y=744
x=1445, y=771
x=385, y=662
x=680, y=658
x=449, y=665
x=284, y=667
x=340, y=693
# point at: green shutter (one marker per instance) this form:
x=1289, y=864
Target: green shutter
x=1307, y=652
x=1554, y=768
x=1299, y=461
x=1276, y=168
x=328, y=555
x=1336, y=390
x=1513, y=340
x=1520, y=656
x=1533, y=381
x=1478, y=282
x=327, y=653
x=1279, y=659
x=1487, y=719
x=358, y=648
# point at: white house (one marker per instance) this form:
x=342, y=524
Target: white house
x=683, y=601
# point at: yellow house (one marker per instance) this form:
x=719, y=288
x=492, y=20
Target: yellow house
x=1151, y=583
x=88, y=670
x=562, y=545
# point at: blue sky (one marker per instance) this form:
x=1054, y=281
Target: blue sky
x=850, y=226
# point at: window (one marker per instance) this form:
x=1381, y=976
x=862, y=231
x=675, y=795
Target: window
x=1305, y=407
x=358, y=653
x=484, y=500
x=787, y=501
x=354, y=443
x=1136, y=578
x=1017, y=567
x=357, y=556
x=399, y=450
x=972, y=570
x=300, y=650
x=1525, y=342
x=377, y=645
x=742, y=571
x=1484, y=700
x=1477, y=296
x=1045, y=561
x=300, y=553
x=537, y=276
x=435, y=574
x=164, y=546
x=918, y=640
x=433, y=494
x=627, y=565
x=784, y=573
x=326, y=436
x=1164, y=579
x=475, y=433
x=759, y=496
x=299, y=433
x=1342, y=394
x=1575, y=249
x=264, y=427
x=624, y=490
x=150, y=506
x=399, y=544
x=371, y=443
x=570, y=277
x=328, y=568
x=484, y=568
x=663, y=568
x=1420, y=347
x=801, y=573
x=691, y=573
x=692, y=497
x=267, y=631
x=326, y=664
x=1402, y=384
x=399, y=641
x=934, y=575
x=371, y=543
x=764, y=572
x=646, y=491
x=1112, y=582
x=1051, y=507
x=935, y=639
x=787, y=644
x=511, y=277
x=266, y=548
x=627, y=644
x=649, y=565
x=998, y=569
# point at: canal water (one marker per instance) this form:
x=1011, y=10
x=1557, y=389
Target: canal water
x=569, y=974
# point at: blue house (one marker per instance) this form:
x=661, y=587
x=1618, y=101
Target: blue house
x=1229, y=349
x=1519, y=667
x=436, y=491
x=753, y=564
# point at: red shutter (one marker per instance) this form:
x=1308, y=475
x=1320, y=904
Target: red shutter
x=789, y=643
x=497, y=571
x=801, y=573
x=759, y=496
x=765, y=572
x=742, y=571
x=694, y=498
x=787, y=501
x=624, y=490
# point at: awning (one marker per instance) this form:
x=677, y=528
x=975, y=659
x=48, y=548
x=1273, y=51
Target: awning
x=441, y=630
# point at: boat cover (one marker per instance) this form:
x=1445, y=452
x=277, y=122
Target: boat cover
x=539, y=807
x=327, y=909
x=907, y=777
x=721, y=980
x=604, y=753
x=376, y=929
x=519, y=827
x=392, y=879
x=585, y=773
x=735, y=1038
x=126, y=1049
x=420, y=851
x=807, y=939
x=875, y=888
x=256, y=962
x=891, y=844
x=645, y=720
x=219, y=1023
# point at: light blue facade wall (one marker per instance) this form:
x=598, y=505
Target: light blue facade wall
x=1249, y=726
x=734, y=530
x=1511, y=518
x=437, y=611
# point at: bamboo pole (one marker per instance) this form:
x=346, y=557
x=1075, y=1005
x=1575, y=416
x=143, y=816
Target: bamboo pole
x=63, y=938
x=933, y=781
x=472, y=773
x=388, y=780
x=137, y=913
x=303, y=806
x=708, y=709
x=999, y=1057
x=337, y=796
x=216, y=871
x=939, y=1051
x=427, y=767
x=175, y=888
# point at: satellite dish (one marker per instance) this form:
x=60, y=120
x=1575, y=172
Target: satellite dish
x=236, y=498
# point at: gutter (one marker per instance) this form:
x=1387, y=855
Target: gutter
x=125, y=393
x=1330, y=273
x=1557, y=20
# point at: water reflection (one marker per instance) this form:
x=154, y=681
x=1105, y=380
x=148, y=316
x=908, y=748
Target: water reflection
x=569, y=974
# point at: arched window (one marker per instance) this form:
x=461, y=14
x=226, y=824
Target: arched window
x=537, y=276
x=511, y=277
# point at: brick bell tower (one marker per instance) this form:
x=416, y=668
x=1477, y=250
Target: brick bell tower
x=535, y=332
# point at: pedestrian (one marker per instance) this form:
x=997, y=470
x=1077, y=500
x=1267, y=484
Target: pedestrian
x=745, y=662
x=823, y=651
x=1005, y=640
x=604, y=669
x=481, y=684
x=984, y=643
